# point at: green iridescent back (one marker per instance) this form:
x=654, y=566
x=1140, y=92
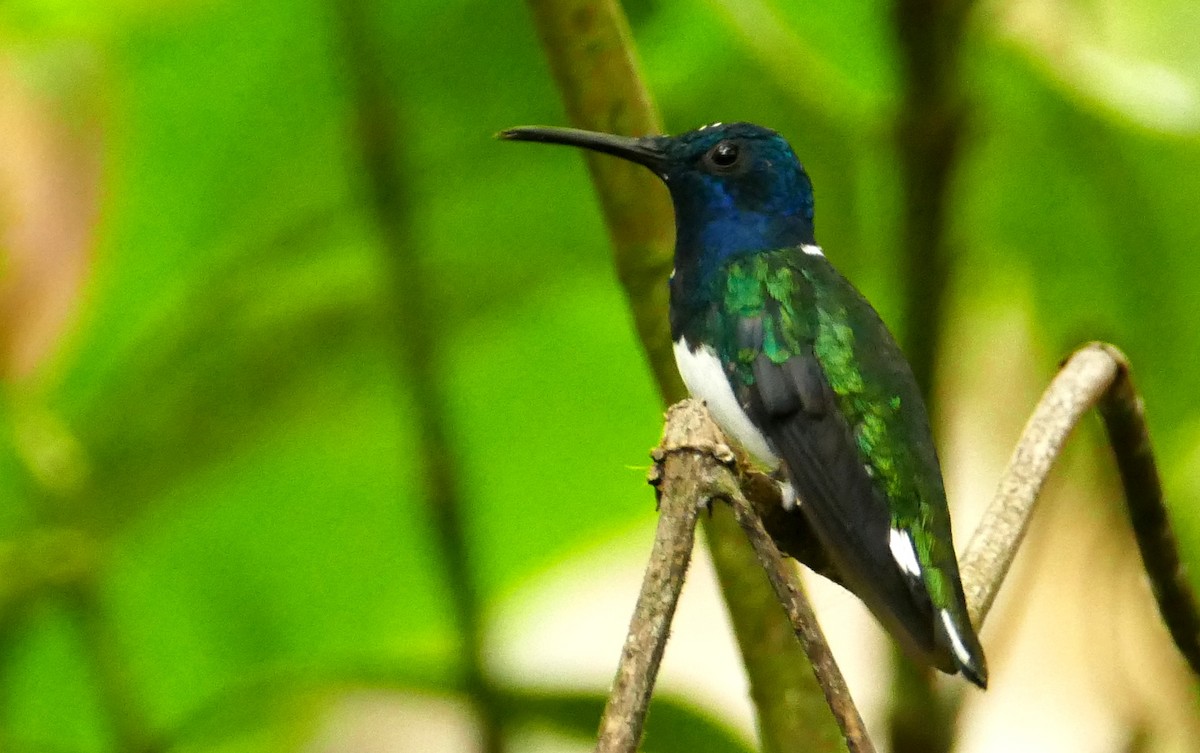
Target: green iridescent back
x=807, y=309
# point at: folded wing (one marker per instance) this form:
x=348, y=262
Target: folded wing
x=795, y=406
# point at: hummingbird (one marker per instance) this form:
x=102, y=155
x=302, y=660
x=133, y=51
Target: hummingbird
x=798, y=369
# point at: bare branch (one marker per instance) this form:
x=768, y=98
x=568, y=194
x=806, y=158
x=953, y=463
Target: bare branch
x=1076, y=388
x=691, y=461
x=694, y=466
x=791, y=595
x=1125, y=421
x=1097, y=375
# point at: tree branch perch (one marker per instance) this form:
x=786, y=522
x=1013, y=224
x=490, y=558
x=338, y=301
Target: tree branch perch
x=788, y=588
x=690, y=464
x=1096, y=375
x=694, y=466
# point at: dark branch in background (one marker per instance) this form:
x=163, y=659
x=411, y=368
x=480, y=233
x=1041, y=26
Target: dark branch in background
x=789, y=704
x=63, y=565
x=379, y=133
x=1097, y=375
x=131, y=729
x=590, y=52
x=1125, y=422
x=929, y=135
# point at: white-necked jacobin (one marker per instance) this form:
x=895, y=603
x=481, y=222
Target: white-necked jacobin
x=798, y=368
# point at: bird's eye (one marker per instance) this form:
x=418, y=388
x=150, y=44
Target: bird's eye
x=724, y=154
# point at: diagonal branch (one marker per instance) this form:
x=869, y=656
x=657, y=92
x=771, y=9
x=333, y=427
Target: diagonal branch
x=1077, y=387
x=1097, y=375
x=791, y=595
x=1125, y=422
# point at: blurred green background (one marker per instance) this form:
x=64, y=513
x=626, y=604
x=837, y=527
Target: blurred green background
x=215, y=520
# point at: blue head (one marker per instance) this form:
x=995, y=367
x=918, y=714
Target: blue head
x=737, y=189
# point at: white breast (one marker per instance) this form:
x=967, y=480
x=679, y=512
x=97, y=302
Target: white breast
x=706, y=380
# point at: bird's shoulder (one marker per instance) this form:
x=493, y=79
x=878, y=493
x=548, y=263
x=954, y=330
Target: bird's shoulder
x=788, y=317
x=761, y=304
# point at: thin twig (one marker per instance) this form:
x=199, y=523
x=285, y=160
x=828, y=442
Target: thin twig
x=791, y=595
x=1097, y=375
x=788, y=702
x=1076, y=388
x=686, y=466
x=1125, y=422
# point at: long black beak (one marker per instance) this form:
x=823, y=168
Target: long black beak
x=646, y=150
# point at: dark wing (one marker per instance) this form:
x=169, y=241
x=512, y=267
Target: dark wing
x=788, y=528
x=795, y=406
